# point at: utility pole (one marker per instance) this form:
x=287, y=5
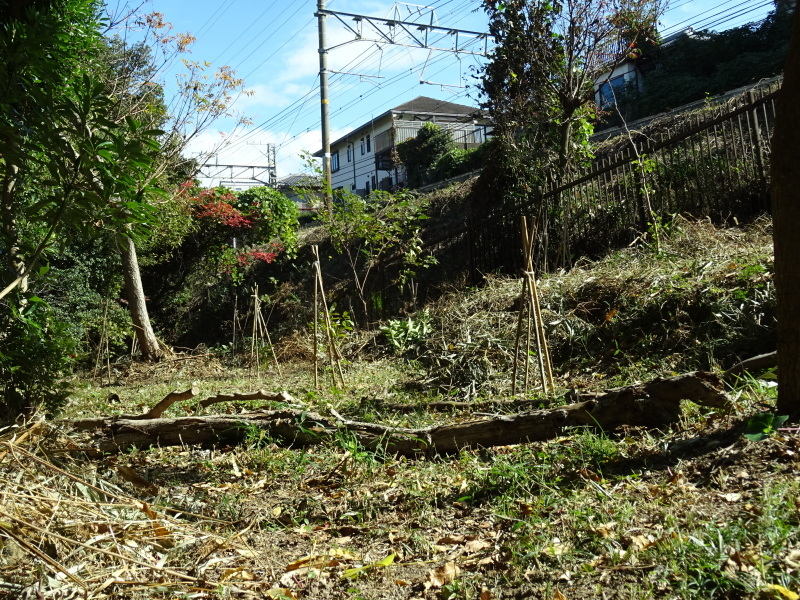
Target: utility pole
x=324, y=110
x=387, y=31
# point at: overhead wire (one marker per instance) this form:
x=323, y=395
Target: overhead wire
x=238, y=38
x=354, y=63
x=221, y=9
x=700, y=23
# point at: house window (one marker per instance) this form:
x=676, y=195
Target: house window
x=363, y=147
x=369, y=145
x=610, y=90
x=349, y=152
x=335, y=161
x=352, y=187
x=374, y=181
x=366, y=187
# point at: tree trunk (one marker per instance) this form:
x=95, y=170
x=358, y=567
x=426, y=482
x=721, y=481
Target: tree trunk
x=14, y=262
x=786, y=221
x=653, y=404
x=148, y=343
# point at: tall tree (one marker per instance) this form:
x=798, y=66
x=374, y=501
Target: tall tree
x=66, y=170
x=64, y=164
x=786, y=221
x=540, y=81
x=134, y=78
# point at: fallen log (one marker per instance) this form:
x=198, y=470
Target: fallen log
x=652, y=404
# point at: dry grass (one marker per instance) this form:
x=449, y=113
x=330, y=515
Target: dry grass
x=694, y=511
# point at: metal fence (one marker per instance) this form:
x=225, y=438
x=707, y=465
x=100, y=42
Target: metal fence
x=712, y=163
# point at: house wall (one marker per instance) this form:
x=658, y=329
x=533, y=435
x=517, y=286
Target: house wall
x=357, y=172
x=361, y=173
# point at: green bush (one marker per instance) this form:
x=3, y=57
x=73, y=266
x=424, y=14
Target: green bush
x=36, y=352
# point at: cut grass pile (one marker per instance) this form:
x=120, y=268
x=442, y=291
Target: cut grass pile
x=695, y=510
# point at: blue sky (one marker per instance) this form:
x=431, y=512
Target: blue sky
x=272, y=44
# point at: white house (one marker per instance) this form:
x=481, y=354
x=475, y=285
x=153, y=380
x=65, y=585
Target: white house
x=361, y=161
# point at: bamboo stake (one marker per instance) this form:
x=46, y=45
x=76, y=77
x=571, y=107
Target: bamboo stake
x=535, y=307
x=253, y=345
x=316, y=318
x=530, y=305
x=235, y=319
x=103, y=343
x=529, y=314
x=517, y=341
x=265, y=333
x=538, y=308
x=333, y=351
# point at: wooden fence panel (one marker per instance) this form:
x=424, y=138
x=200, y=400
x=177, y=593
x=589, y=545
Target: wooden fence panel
x=712, y=165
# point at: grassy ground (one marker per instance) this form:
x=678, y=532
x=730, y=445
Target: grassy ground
x=696, y=510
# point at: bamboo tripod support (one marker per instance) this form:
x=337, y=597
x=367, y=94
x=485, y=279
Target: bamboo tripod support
x=103, y=350
x=260, y=333
x=530, y=308
x=333, y=351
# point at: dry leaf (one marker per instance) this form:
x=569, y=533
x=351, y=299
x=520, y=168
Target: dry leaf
x=605, y=530
x=281, y=594
x=442, y=575
x=486, y=595
x=793, y=559
x=474, y=546
x=556, y=548
x=292, y=577
x=161, y=533
x=559, y=596
x=732, y=497
x=137, y=480
x=320, y=561
x=452, y=539
x=239, y=572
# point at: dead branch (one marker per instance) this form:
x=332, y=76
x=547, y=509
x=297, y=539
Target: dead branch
x=153, y=413
x=652, y=404
x=168, y=401
x=259, y=395
x=756, y=363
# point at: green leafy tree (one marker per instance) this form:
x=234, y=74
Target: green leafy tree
x=369, y=230
x=707, y=63
x=275, y=216
x=66, y=170
x=538, y=86
x=419, y=154
x=133, y=79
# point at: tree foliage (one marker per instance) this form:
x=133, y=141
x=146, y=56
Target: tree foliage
x=538, y=86
x=706, y=63
x=65, y=165
x=369, y=230
x=420, y=154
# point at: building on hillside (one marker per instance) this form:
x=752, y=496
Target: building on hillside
x=303, y=190
x=629, y=72
x=362, y=160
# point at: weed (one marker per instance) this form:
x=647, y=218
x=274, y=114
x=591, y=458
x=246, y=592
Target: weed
x=403, y=334
x=763, y=425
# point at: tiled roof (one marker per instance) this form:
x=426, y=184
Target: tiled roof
x=423, y=104
x=299, y=179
